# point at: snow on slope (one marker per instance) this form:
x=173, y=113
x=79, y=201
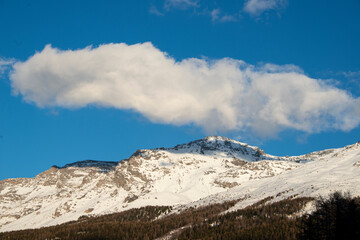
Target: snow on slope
x=208, y=170
x=333, y=170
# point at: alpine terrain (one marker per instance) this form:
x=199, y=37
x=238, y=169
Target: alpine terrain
x=206, y=171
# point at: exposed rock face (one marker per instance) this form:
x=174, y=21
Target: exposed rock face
x=202, y=169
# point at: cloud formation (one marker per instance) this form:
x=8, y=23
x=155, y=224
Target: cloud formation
x=218, y=95
x=155, y=11
x=218, y=16
x=182, y=4
x=253, y=7
x=5, y=64
x=257, y=7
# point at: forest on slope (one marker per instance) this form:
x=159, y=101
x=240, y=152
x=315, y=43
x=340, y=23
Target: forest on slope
x=335, y=217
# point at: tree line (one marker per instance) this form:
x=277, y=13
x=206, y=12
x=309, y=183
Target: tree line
x=335, y=217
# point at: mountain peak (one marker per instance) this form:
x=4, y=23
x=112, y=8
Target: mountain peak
x=91, y=163
x=217, y=138
x=221, y=146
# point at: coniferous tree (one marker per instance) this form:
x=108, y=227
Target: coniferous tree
x=337, y=217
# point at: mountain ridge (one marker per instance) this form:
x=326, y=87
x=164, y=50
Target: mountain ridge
x=204, y=171
x=209, y=143
x=259, y=153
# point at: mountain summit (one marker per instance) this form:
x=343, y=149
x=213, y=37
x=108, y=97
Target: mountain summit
x=209, y=170
x=215, y=145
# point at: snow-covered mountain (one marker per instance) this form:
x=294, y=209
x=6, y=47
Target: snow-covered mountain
x=209, y=170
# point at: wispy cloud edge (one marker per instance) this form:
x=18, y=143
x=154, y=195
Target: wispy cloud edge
x=257, y=7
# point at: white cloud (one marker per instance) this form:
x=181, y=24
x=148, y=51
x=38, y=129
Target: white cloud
x=355, y=75
x=218, y=16
x=5, y=64
x=257, y=7
x=154, y=10
x=219, y=95
x=182, y=4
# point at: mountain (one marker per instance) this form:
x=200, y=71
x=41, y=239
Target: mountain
x=205, y=171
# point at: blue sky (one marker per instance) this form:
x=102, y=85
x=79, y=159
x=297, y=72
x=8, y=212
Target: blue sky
x=101, y=79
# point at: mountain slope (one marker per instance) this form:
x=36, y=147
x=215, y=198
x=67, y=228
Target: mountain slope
x=212, y=169
x=332, y=170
